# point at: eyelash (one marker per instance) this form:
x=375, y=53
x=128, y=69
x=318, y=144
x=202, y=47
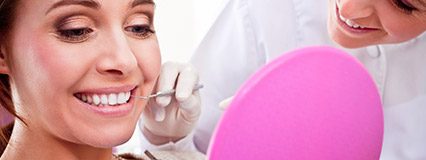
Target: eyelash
x=140, y=31
x=407, y=8
x=77, y=35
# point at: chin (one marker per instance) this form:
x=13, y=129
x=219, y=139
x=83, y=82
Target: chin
x=350, y=44
x=347, y=42
x=110, y=141
x=108, y=138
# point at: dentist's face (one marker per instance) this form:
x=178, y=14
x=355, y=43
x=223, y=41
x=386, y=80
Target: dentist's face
x=74, y=63
x=359, y=23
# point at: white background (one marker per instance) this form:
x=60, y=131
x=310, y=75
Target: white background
x=181, y=24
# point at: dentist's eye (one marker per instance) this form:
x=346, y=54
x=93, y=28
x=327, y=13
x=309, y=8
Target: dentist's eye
x=140, y=31
x=75, y=35
x=404, y=5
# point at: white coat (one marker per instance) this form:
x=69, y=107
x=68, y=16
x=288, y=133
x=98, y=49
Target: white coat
x=249, y=33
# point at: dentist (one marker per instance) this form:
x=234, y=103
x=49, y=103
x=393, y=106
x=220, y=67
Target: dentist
x=387, y=36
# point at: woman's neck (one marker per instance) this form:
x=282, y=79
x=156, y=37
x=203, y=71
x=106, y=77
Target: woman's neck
x=26, y=143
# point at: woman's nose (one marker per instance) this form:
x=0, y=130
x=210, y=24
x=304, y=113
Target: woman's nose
x=118, y=58
x=356, y=9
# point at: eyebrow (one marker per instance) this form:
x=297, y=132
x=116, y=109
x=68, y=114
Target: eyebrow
x=87, y=3
x=141, y=2
x=92, y=4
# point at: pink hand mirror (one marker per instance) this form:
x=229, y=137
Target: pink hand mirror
x=313, y=103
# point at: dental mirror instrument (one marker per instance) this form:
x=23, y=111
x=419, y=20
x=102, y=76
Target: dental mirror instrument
x=167, y=93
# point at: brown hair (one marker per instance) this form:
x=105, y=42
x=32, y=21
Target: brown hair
x=7, y=8
x=7, y=16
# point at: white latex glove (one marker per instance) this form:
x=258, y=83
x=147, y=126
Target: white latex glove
x=170, y=118
x=224, y=104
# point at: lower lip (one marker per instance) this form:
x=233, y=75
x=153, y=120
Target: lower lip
x=349, y=29
x=110, y=111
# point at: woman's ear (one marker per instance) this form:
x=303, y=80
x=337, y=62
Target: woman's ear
x=4, y=68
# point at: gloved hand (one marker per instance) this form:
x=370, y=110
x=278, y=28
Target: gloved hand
x=224, y=104
x=170, y=118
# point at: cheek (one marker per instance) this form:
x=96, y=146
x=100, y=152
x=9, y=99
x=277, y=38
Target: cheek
x=53, y=69
x=56, y=62
x=149, y=60
x=35, y=71
x=405, y=33
x=33, y=62
x=401, y=28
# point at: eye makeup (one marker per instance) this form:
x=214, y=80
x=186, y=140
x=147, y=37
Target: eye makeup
x=74, y=29
x=139, y=26
x=404, y=5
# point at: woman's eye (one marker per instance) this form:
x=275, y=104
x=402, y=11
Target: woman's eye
x=141, y=31
x=405, y=6
x=75, y=35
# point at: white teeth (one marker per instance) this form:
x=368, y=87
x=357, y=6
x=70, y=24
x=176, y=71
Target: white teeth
x=89, y=99
x=96, y=99
x=127, y=95
x=112, y=99
x=356, y=26
x=342, y=18
x=84, y=98
x=105, y=99
x=350, y=23
x=121, y=98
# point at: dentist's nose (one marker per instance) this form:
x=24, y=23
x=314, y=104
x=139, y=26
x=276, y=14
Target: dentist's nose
x=356, y=9
x=117, y=58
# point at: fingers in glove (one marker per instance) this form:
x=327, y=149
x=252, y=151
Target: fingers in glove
x=159, y=113
x=191, y=107
x=188, y=99
x=187, y=80
x=169, y=74
x=223, y=105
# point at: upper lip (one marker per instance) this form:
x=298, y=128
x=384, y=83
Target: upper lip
x=108, y=90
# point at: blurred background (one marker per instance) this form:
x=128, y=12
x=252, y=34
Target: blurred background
x=180, y=25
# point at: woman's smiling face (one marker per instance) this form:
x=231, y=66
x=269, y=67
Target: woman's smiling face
x=74, y=64
x=359, y=23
